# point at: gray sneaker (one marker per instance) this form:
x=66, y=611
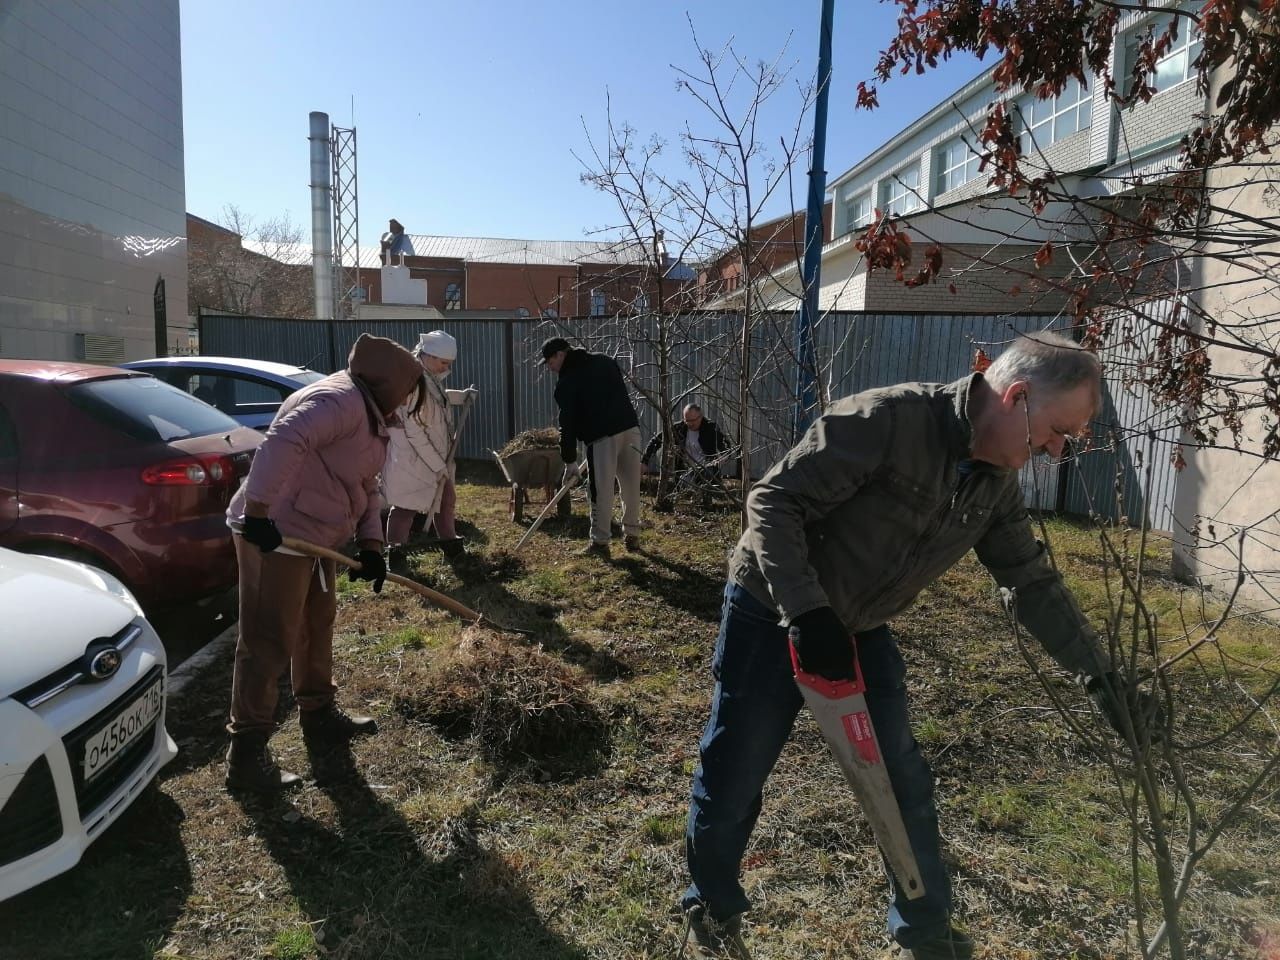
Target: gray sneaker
x=721, y=939
x=594, y=549
x=952, y=945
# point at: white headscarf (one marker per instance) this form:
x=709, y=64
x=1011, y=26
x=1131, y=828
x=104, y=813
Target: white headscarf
x=437, y=343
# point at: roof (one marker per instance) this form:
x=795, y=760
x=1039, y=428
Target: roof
x=56, y=370
x=220, y=363
x=483, y=250
x=516, y=251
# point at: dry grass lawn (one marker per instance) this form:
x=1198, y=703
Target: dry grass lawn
x=526, y=797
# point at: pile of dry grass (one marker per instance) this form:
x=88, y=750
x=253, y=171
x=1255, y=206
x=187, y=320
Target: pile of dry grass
x=543, y=438
x=516, y=703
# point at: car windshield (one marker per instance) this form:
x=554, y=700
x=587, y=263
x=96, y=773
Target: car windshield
x=147, y=409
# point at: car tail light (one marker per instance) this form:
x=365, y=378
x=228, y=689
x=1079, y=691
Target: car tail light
x=206, y=471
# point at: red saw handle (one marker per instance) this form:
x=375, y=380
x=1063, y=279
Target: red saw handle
x=853, y=716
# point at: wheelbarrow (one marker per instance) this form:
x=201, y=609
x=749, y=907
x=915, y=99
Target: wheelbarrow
x=529, y=469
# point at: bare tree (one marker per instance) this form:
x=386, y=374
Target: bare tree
x=1172, y=277
x=250, y=268
x=692, y=208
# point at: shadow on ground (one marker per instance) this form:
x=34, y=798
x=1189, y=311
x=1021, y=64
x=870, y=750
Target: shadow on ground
x=121, y=901
x=373, y=886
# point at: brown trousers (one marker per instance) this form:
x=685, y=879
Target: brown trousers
x=286, y=621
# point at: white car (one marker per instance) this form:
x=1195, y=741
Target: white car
x=82, y=712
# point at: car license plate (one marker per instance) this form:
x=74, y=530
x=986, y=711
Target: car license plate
x=125, y=727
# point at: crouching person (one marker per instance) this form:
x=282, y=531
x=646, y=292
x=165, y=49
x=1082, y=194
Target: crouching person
x=314, y=478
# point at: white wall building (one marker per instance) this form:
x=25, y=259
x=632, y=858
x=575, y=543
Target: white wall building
x=928, y=175
x=92, y=194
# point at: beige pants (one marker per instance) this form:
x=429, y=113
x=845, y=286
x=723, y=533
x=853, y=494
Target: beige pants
x=286, y=622
x=614, y=460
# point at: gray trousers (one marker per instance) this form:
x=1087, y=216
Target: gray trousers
x=614, y=460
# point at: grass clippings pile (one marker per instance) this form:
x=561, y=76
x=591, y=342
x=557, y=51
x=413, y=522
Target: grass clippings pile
x=519, y=706
x=543, y=438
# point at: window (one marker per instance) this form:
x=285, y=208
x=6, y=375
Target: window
x=1178, y=64
x=641, y=302
x=453, y=297
x=522, y=313
x=550, y=313
x=148, y=409
x=597, y=303
x=857, y=210
x=957, y=164
x=900, y=192
x=1047, y=121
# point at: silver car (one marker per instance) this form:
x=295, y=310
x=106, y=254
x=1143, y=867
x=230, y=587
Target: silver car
x=249, y=391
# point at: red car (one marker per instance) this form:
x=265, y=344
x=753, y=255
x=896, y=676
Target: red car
x=117, y=469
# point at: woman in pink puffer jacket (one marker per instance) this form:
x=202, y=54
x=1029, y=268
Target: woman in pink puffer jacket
x=314, y=478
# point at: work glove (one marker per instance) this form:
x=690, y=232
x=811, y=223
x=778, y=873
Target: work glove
x=571, y=473
x=823, y=644
x=1114, y=698
x=372, y=568
x=261, y=532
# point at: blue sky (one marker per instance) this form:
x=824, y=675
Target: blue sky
x=468, y=114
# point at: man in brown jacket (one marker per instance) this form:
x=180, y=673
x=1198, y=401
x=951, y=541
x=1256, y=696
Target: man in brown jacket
x=881, y=496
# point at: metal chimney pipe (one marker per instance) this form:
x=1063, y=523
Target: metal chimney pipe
x=321, y=216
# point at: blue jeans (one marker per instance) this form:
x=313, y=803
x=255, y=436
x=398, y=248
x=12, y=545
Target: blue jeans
x=753, y=709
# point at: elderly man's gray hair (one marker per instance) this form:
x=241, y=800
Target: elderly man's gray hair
x=1049, y=361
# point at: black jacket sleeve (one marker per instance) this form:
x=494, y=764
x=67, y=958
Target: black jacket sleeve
x=655, y=443
x=566, y=400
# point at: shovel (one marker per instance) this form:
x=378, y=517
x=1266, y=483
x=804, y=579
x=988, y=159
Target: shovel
x=434, y=596
x=453, y=448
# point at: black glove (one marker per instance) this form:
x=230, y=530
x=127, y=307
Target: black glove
x=372, y=567
x=823, y=644
x=1115, y=699
x=261, y=532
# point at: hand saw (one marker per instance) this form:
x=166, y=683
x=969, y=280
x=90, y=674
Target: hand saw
x=840, y=707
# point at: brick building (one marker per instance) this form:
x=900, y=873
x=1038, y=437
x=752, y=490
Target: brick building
x=268, y=277
x=776, y=245
x=530, y=277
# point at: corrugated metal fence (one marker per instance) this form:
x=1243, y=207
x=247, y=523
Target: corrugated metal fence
x=860, y=351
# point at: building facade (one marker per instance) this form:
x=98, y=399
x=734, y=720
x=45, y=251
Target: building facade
x=535, y=278
x=92, y=193
x=927, y=175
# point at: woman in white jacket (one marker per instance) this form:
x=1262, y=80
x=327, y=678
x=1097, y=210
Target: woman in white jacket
x=417, y=477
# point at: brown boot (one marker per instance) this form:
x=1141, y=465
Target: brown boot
x=331, y=724
x=250, y=767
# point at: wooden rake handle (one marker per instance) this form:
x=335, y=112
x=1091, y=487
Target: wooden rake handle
x=437, y=598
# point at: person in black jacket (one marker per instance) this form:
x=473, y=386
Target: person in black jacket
x=596, y=410
x=698, y=440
